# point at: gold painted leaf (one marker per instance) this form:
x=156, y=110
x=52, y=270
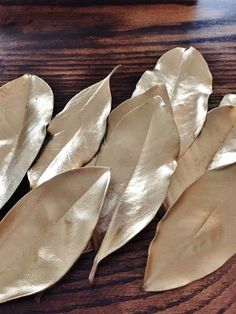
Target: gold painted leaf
x=197, y=235
x=215, y=147
x=26, y=106
x=120, y=111
x=141, y=152
x=229, y=99
x=47, y=230
x=189, y=84
x=76, y=133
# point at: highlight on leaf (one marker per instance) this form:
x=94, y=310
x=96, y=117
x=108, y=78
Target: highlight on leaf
x=26, y=106
x=215, y=147
x=197, y=235
x=189, y=84
x=47, y=230
x=141, y=152
x=126, y=106
x=71, y=208
x=120, y=111
x=227, y=100
x=76, y=133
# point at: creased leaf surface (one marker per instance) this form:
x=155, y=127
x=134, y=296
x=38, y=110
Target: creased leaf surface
x=76, y=133
x=197, y=235
x=141, y=152
x=214, y=148
x=189, y=84
x=46, y=231
x=26, y=106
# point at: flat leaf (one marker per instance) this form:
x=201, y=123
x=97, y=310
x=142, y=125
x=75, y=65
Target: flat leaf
x=26, y=106
x=189, y=84
x=141, y=152
x=214, y=148
x=197, y=235
x=76, y=133
x=47, y=230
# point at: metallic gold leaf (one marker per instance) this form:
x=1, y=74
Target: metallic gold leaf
x=215, y=147
x=120, y=111
x=141, y=152
x=26, y=106
x=229, y=99
x=47, y=230
x=189, y=84
x=76, y=133
x=197, y=235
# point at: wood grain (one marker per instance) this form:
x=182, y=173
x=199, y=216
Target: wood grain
x=73, y=44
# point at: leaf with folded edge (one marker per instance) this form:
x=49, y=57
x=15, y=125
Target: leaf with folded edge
x=214, y=148
x=47, y=230
x=197, y=235
x=26, y=106
x=76, y=133
x=141, y=152
x=189, y=84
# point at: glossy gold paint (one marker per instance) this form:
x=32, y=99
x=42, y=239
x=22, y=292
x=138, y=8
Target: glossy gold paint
x=197, y=235
x=215, y=147
x=141, y=152
x=229, y=99
x=26, y=106
x=76, y=133
x=189, y=84
x=120, y=111
x=47, y=230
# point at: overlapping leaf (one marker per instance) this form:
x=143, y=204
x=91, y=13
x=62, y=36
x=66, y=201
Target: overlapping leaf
x=26, y=106
x=141, y=152
x=120, y=111
x=189, y=84
x=76, y=133
x=45, y=232
x=215, y=147
x=198, y=234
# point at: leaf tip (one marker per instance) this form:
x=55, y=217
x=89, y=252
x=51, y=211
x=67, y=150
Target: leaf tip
x=93, y=272
x=115, y=68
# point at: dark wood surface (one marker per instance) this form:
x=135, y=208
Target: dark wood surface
x=72, y=44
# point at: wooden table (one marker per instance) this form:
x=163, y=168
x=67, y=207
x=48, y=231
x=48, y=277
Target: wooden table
x=72, y=44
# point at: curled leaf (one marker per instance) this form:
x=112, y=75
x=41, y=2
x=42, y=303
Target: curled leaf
x=189, y=84
x=215, y=147
x=26, y=106
x=46, y=231
x=76, y=133
x=197, y=235
x=141, y=153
